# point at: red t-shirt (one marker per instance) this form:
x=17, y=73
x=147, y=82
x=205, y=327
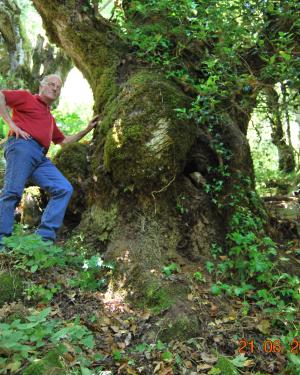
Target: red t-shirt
x=33, y=115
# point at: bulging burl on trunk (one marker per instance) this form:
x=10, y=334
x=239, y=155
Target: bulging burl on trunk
x=146, y=144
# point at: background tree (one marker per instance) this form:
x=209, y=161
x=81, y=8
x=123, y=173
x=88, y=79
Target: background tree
x=19, y=58
x=170, y=172
x=285, y=150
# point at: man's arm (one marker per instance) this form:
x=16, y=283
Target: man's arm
x=76, y=137
x=7, y=118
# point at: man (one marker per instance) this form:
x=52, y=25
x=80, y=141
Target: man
x=32, y=128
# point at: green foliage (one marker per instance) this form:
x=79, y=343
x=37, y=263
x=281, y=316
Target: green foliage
x=49, y=364
x=32, y=253
x=180, y=205
x=167, y=356
x=40, y=294
x=117, y=355
x=157, y=298
x=91, y=277
x=169, y=29
x=170, y=269
x=69, y=123
x=198, y=276
x=250, y=264
x=224, y=34
x=21, y=341
x=11, y=83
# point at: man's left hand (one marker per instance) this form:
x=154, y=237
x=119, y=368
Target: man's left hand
x=92, y=123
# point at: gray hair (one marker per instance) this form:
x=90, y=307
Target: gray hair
x=45, y=79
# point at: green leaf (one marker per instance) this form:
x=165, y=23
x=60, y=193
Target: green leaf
x=214, y=371
x=85, y=371
x=226, y=366
x=88, y=342
x=215, y=290
x=294, y=359
x=285, y=55
x=167, y=356
x=41, y=316
x=239, y=361
x=34, y=268
x=140, y=347
x=160, y=345
x=117, y=355
x=272, y=59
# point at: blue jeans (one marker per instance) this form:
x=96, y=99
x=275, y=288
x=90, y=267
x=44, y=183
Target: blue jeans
x=26, y=159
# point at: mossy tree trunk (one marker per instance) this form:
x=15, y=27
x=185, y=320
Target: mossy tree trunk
x=146, y=206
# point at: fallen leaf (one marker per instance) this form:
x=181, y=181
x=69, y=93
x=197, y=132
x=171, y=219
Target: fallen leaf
x=157, y=367
x=188, y=364
x=218, y=338
x=131, y=371
x=249, y=363
x=146, y=315
x=264, y=326
x=69, y=357
x=208, y=358
x=204, y=366
x=104, y=321
x=115, y=329
x=121, y=345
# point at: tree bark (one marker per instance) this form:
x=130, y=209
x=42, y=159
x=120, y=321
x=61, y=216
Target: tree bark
x=286, y=160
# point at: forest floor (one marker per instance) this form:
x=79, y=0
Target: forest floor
x=102, y=334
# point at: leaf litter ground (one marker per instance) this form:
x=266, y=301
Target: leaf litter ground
x=120, y=331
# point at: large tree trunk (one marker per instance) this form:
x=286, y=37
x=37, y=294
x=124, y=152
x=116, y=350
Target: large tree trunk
x=145, y=201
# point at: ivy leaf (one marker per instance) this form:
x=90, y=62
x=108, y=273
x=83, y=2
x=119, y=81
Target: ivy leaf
x=88, y=342
x=285, y=55
x=34, y=268
x=167, y=356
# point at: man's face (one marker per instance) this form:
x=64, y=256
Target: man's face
x=50, y=90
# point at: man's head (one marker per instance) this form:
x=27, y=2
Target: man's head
x=50, y=88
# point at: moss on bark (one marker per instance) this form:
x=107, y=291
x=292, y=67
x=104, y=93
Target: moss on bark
x=99, y=222
x=146, y=144
x=72, y=162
